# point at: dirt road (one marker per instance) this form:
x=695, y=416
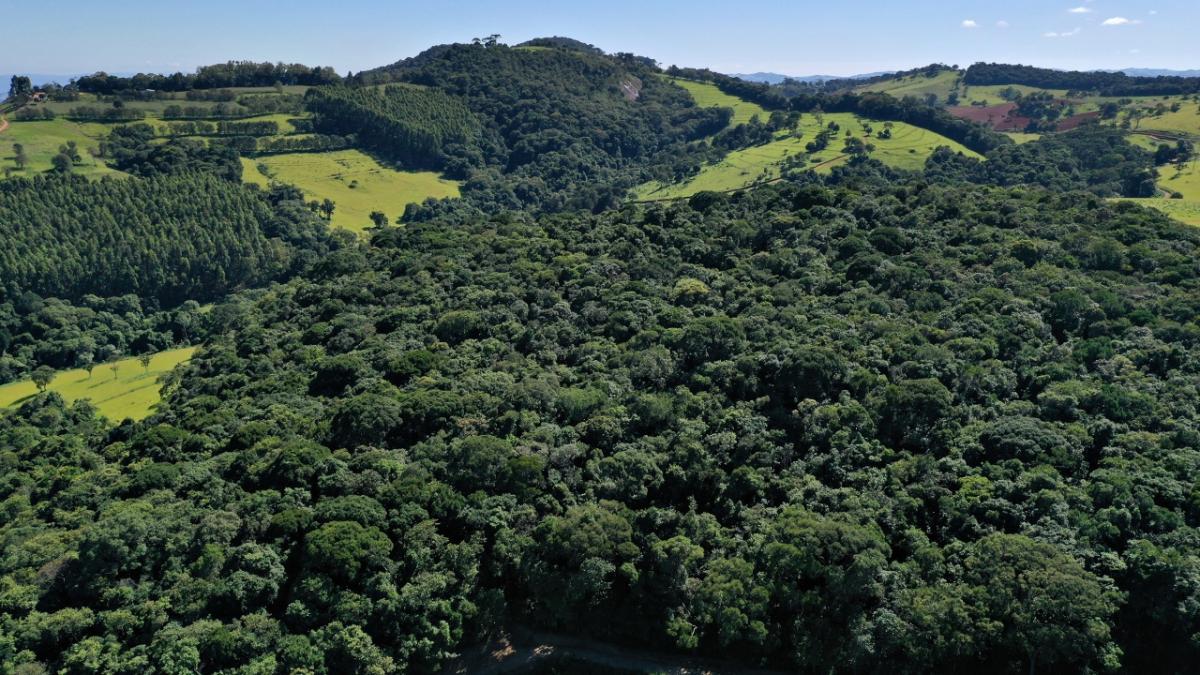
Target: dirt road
x=525, y=649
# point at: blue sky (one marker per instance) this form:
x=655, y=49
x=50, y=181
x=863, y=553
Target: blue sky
x=796, y=38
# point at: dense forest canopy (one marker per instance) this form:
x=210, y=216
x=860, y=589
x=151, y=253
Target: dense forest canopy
x=1097, y=159
x=562, y=128
x=167, y=239
x=815, y=426
x=420, y=128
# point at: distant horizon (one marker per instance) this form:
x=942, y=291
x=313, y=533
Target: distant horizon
x=796, y=38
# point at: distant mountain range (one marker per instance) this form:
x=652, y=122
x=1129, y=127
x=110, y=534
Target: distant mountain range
x=1159, y=72
x=776, y=78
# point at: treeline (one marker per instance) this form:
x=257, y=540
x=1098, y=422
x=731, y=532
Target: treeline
x=167, y=239
x=200, y=128
x=55, y=333
x=303, y=143
x=867, y=424
x=1093, y=158
x=222, y=75
x=420, y=128
x=1104, y=84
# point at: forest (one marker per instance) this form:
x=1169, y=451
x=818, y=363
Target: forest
x=861, y=420
x=419, y=128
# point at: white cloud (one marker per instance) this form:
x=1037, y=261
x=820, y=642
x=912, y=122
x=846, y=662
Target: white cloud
x=1002, y=24
x=1135, y=51
x=1119, y=21
x=1064, y=34
x=1153, y=12
x=969, y=23
x=1080, y=10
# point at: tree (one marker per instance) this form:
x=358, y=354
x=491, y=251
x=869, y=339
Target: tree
x=20, y=87
x=62, y=162
x=379, y=219
x=115, y=367
x=19, y=156
x=145, y=359
x=42, y=377
x=327, y=208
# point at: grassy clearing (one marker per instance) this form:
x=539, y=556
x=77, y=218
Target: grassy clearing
x=917, y=85
x=331, y=175
x=1184, y=122
x=42, y=140
x=119, y=390
x=908, y=148
x=709, y=96
x=1186, y=183
x=1021, y=137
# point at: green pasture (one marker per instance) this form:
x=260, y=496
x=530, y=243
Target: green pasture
x=42, y=140
x=356, y=183
x=119, y=390
x=709, y=96
x=908, y=148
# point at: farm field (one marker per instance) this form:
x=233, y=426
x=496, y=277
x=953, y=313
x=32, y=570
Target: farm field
x=908, y=148
x=42, y=140
x=709, y=96
x=126, y=390
x=353, y=180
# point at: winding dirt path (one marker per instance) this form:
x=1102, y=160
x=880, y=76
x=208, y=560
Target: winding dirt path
x=3, y=124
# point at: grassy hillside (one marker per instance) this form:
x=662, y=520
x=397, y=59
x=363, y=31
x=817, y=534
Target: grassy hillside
x=709, y=96
x=42, y=140
x=908, y=148
x=119, y=390
x=353, y=180
x=917, y=85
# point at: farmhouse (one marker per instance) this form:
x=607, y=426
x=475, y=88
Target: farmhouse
x=38, y=97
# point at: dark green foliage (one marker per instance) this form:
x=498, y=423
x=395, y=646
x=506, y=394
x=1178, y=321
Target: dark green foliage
x=420, y=128
x=231, y=74
x=562, y=128
x=832, y=425
x=1103, y=83
x=1094, y=158
x=132, y=149
x=166, y=239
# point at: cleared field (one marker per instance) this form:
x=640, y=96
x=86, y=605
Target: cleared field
x=917, y=85
x=1185, y=182
x=1021, y=137
x=355, y=182
x=991, y=93
x=1184, y=122
x=119, y=390
x=709, y=96
x=908, y=148
x=42, y=140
